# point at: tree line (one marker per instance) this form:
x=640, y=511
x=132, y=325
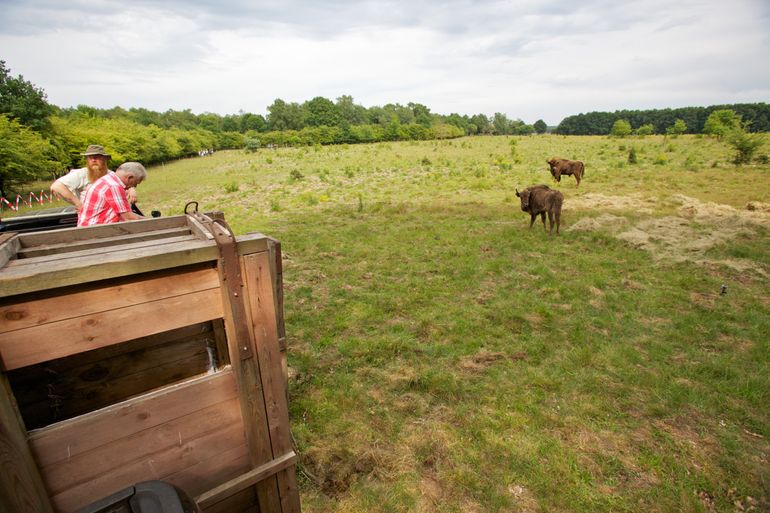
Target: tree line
x=39, y=140
x=756, y=116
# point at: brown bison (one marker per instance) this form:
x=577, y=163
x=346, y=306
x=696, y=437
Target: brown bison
x=539, y=200
x=561, y=166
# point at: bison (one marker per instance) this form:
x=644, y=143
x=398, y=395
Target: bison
x=561, y=166
x=539, y=200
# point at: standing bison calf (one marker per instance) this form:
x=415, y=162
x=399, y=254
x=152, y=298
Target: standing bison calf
x=539, y=200
x=566, y=167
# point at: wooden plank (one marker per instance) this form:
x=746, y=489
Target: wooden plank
x=243, y=502
x=246, y=480
x=9, y=246
x=21, y=488
x=35, y=344
x=174, y=445
x=50, y=275
x=129, y=245
x=208, y=473
x=72, y=235
x=141, y=289
x=70, y=438
x=158, y=466
x=276, y=271
x=69, y=247
x=252, y=403
x=259, y=291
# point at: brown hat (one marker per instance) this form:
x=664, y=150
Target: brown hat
x=96, y=149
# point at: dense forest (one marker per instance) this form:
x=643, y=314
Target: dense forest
x=39, y=140
x=755, y=115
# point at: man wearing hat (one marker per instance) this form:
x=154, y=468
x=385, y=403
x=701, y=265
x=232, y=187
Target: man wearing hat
x=72, y=187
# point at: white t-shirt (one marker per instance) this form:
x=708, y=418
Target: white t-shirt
x=77, y=182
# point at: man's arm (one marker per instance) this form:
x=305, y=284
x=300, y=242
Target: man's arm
x=66, y=194
x=130, y=216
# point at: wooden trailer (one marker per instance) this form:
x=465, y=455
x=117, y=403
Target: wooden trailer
x=146, y=350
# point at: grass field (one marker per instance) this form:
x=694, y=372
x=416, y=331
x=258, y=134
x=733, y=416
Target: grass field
x=446, y=358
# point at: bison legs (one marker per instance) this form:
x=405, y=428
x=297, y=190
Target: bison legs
x=551, y=217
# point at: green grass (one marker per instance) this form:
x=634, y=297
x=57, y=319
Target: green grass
x=447, y=358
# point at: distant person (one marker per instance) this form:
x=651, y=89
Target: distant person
x=106, y=201
x=72, y=187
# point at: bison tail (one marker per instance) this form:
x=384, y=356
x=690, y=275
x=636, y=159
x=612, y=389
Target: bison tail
x=582, y=169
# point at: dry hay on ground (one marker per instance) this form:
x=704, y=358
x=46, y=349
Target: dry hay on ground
x=600, y=202
x=686, y=236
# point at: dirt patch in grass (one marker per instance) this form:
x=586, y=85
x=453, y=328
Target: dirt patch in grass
x=483, y=359
x=524, y=499
x=335, y=470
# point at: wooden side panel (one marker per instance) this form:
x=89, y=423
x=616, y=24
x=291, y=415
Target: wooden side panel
x=259, y=285
x=172, y=435
x=21, y=488
x=43, y=330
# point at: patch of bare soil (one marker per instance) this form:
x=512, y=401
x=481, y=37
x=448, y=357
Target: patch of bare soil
x=483, y=359
x=524, y=500
x=334, y=472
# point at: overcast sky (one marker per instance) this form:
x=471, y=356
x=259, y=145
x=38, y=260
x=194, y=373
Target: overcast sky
x=529, y=59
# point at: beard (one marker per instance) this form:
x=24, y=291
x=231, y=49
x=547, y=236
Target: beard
x=96, y=170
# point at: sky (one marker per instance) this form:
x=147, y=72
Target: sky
x=527, y=59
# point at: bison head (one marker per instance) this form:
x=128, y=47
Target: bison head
x=524, y=197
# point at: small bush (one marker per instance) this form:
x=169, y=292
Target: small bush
x=296, y=175
x=632, y=156
x=660, y=160
x=275, y=206
x=252, y=144
x=231, y=187
x=745, y=145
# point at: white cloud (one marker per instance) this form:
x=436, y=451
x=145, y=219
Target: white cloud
x=528, y=60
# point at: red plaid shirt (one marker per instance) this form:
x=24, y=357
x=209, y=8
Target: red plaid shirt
x=104, y=202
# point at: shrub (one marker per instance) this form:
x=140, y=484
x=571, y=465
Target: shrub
x=632, y=156
x=745, y=145
x=621, y=128
x=678, y=128
x=296, y=175
x=231, y=187
x=252, y=144
x=646, y=129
